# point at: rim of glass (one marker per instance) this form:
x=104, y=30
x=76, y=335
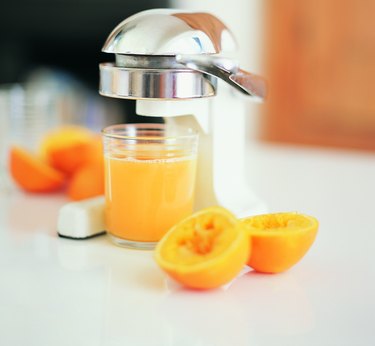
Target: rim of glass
x=186, y=132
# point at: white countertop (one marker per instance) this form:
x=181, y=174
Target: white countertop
x=56, y=291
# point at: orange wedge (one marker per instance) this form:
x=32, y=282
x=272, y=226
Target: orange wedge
x=93, y=152
x=279, y=240
x=67, y=147
x=87, y=181
x=31, y=173
x=206, y=250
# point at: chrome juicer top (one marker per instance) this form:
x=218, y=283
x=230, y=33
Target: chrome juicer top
x=169, y=54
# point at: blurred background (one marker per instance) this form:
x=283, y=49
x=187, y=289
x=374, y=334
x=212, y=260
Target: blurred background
x=56, y=46
x=321, y=67
x=318, y=57
x=49, y=56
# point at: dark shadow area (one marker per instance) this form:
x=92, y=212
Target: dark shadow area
x=62, y=35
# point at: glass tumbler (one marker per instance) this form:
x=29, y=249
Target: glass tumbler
x=150, y=180
x=27, y=112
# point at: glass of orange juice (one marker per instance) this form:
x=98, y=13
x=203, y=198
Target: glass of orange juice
x=150, y=179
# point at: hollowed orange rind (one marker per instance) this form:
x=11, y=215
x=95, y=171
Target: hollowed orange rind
x=279, y=240
x=206, y=250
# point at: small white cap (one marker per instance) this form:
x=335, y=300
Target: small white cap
x=83, y=219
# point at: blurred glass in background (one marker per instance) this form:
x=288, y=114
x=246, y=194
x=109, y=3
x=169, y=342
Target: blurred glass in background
x=48, y=100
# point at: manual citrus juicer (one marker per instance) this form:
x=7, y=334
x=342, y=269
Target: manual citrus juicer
x=180, y=66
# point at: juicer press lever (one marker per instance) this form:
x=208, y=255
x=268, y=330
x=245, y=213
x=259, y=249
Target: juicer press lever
x=228, y=70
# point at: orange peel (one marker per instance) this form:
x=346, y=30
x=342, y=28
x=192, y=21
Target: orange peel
x=279, y=240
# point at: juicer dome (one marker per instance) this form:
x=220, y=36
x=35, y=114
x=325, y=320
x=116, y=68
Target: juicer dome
x=170, y=32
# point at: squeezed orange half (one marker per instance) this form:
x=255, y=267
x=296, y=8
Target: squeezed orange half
x=279, y=240
x=205, y=250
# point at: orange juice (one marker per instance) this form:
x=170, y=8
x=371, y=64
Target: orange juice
x=145, y=197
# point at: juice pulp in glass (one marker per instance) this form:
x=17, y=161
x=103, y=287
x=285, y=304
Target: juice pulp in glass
x=144, y=198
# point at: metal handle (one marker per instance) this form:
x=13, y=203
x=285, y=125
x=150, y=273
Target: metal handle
x=227, y=70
